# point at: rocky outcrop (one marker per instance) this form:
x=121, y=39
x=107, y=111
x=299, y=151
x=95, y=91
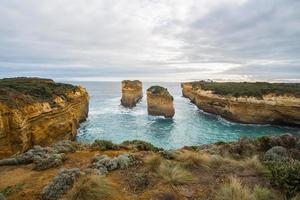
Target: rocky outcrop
x=38, y=112
x=269, y=108
x=160, y=102
x=60, y=184
x=132, y=92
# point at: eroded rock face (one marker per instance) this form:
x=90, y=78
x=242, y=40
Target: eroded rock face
x=160, y=102
x=38, y=112
x=132, y=92
x=269, y=109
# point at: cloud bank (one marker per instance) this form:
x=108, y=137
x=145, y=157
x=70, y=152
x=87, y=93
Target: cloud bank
x=161, y=40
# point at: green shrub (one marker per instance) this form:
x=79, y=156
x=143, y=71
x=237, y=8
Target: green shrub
x=19, y=91
x=140, y=145
x=103, y=145
x=286, y=176
x=257, y=89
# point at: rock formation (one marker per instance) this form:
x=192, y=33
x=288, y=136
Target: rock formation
x=269, y=106
x=132, y=92
x=37, y=111
x=160, y=102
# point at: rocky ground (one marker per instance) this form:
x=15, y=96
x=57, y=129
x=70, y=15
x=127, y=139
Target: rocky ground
x=260, y=169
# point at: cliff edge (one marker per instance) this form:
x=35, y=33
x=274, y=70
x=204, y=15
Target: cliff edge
x=38, y=111
x=255, y=103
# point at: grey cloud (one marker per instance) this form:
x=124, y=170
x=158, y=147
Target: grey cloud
x=115, y=38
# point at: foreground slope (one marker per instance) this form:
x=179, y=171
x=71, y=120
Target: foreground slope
x=264, y=168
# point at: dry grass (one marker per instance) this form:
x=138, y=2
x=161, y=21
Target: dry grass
x=173, y=173
x=253, y=164
x=91, y=187
x=260, y=193
x=235, y=190
x=153, y=162
x=191, y=160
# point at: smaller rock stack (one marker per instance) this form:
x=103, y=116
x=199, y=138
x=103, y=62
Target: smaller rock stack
x=132, y=92
x=160, y=102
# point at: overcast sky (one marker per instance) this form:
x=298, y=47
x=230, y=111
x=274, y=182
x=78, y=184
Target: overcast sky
x=159, y=40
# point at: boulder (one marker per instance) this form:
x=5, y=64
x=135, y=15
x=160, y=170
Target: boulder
x=105, y=163
x=132, y=92
x=43, y=157
x=160, y=102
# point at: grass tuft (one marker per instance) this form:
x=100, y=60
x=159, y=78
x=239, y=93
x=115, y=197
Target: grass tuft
x=173, y=173
x=234, y=190
x=92, y=187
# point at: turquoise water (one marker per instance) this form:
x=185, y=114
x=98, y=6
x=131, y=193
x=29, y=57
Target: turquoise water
x=190, y=126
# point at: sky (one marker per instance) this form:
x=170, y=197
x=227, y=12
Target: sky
x=151, y=40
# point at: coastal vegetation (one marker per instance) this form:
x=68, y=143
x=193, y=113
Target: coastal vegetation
x=241, y=170
x=20, y=91
x=255, y=89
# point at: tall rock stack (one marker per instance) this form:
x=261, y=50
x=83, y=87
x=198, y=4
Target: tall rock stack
x=132, y=92
x=160, y=102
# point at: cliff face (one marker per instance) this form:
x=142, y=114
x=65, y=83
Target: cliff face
x=132, y=92
x=160, y=102
x=270, y=108
x=30, y=120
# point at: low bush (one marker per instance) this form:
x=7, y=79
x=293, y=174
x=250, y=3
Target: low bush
x=103, y=145
x=286, y=176
x=140, y=145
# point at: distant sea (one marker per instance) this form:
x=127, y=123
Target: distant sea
x=108, y=120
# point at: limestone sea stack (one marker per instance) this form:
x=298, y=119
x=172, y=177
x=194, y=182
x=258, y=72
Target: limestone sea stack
x=132, y=92
x=160, y=102
x=36, y=111
x=254, y=103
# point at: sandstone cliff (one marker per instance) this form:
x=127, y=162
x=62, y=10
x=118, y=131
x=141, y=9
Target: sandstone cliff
x=132, y=92
x=266, y=108
x=160, y=102
x=38, y=111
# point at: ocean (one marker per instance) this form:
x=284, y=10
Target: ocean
x=108, y=120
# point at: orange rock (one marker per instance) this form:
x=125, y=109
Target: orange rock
x=132, y=92
x=269, y=109
x=41, y=122
x=160, y=102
